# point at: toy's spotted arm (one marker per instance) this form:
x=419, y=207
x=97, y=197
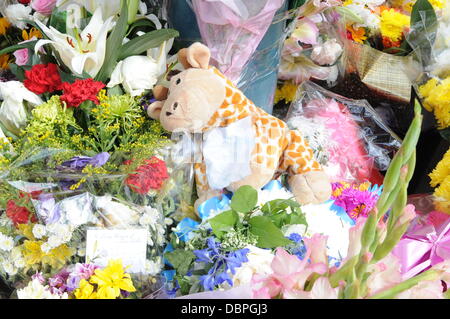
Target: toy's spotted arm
x=200, y=178
x=298, y=157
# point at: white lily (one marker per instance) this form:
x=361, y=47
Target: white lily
x=139, y=73
x=13, y=115
x=84, y=52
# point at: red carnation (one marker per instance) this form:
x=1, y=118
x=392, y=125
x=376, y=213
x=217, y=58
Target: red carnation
x=18, y=214
x=150, y=175
x=80, y=91
x=24, y=1
x=43, y=78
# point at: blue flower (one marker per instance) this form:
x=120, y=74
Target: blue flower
x=296, y=238
x=221, y=263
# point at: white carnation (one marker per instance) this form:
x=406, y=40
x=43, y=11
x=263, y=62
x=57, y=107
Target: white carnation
x=35, y=290
x=6, y=243
x=16, y=13
x=39, y=231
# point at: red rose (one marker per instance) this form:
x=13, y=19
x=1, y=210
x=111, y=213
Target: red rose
x=150, y=175
x=80, y=91
x=43, y=78
x=18, y=214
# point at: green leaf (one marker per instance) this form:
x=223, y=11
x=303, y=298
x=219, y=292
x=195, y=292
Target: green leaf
x=277, y=205
x=223, y=222
x=17, y=71
x=181, y=260
x=269, y=236
x=423, y=28
x=13, y=48
x=58, y=20
x=244, y=199
x=113, y=44
x=147, y=41
x=115, y=90
x=445, y=133
x=140, y=24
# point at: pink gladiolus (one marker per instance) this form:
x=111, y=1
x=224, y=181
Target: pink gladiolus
x=409, y=213
x=384, y=275
x=355, y=232
x=318, y=245
x=423, y=290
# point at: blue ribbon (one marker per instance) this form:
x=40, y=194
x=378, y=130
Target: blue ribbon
x=340, y=211
x=213, y=204
x=273, y=185
x=185, y=227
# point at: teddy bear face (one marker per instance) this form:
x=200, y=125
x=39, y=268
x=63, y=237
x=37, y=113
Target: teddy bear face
x=194, y=96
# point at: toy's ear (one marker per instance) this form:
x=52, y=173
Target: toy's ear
x=160, y=92
x=154, y=109
x=196, y=56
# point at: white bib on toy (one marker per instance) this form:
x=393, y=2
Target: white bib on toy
x=227, y=153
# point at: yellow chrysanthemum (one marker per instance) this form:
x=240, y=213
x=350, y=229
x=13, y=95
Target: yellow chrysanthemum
x=287, y=92
x=392, y=24
x=5, y=59
x=443, y=191
x=111, y=280
x=32, y=33
x=441, y=171
x=436, y=97
x=85, y=291
x=4, y=25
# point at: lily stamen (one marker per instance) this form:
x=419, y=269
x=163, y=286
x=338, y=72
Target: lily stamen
x=70, y=41
x=89, y=37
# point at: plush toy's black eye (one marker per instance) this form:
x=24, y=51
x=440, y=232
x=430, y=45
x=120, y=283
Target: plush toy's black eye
x=178, y=81
x=175, y=105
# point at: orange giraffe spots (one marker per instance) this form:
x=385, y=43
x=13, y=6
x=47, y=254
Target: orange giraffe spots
x=276, y=147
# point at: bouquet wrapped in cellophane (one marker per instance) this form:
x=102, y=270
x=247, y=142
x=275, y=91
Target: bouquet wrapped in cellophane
x=88, y=181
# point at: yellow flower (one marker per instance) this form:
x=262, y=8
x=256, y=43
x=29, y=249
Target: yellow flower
x=443, y=191
x=440, y=4
x=442, y=170
x=33, y=254
x=392, y=24
x=347, y=2
x=437, y=99
x=32, y=33
x=111, y=280
x=85, y=291
x=4, y=61
x=287, y=92
x=358, y=34
x=26, y=230
x=4, y=25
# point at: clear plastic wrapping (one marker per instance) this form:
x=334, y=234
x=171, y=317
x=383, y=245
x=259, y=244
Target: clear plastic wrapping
x=348, y=137
x=60, y=213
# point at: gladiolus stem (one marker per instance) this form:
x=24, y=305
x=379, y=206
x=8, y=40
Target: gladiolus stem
x=407, y=284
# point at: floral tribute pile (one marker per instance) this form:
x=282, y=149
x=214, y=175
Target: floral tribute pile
x=94, y=204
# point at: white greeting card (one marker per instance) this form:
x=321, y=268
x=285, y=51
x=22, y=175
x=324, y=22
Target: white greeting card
x=129, y=245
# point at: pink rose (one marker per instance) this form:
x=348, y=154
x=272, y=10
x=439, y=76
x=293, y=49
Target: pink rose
x=44, y=7
x=21, y=56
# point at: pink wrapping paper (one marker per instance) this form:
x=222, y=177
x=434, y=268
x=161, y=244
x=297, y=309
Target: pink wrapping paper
x=423, y=246
x=232, y=29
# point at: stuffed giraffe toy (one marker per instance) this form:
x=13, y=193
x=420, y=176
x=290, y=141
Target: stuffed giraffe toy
x=201, y=98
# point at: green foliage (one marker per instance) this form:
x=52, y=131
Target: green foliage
x=244, y=199
x=181, y=260
x=223, y=222
x=269, y=235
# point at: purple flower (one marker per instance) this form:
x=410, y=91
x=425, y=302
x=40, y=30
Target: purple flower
x=80, y=162
x=48, y=209
x=81, y=271
x=356, y=202
x=39, y=277
x=57, y=283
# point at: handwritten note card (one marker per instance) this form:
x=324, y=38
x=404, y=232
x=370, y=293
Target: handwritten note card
x=129, y=245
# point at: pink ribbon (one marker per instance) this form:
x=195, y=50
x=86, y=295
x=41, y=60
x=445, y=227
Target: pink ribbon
x=423, y=247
